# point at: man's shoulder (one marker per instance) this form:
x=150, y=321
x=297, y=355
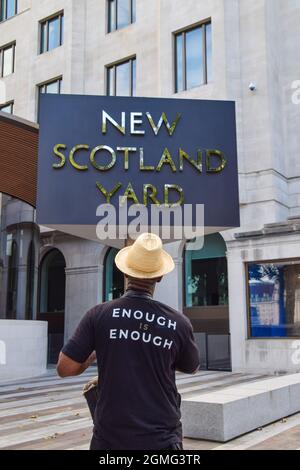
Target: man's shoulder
x=180, y=317
x=104, y=306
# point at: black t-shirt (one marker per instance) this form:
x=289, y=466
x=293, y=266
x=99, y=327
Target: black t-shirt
x=139, y=344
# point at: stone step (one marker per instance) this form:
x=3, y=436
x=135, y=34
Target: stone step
x=235, y=410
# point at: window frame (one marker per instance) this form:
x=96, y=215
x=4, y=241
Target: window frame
x=46, y=21
x=7, y=104
x=3, y=6
x=132, y=6
x=289, y=261
x=2, y=51
x=182, y=32
x=114, y=66
x=39, y=86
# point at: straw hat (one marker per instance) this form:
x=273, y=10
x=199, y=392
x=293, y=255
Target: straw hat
x=145, y=259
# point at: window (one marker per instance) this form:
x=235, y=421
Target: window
x=29, y=313
x=8, y=8
x=113, y=278
x=51, y=33
x=7, y=107
x=53, y=86
x=274, y=299
x=12, y=278
x=121, y=13
x=193, y=57
x=121, y=79
x=52, y=282
x=206, y=281
x=7, y=60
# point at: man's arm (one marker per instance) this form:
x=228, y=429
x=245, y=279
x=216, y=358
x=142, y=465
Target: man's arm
x=67, y=367
x=188, y=360
x=79, y=352
x=190, y=373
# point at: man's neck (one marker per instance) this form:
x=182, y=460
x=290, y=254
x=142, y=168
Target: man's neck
x=140, y=285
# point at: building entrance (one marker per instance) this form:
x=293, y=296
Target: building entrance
x=206, y=301
x=52, y=300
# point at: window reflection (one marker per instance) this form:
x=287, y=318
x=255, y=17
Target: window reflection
x=121, y=13
x=8, y=8
x=7, y=60
x=51, y=35
x=274, y=298
x=179, y=62
x=206, y=280
x=207, y=284
x=208, y=52
x=7, y=108
x=121, y=79
x=54, y=35
x=114, y=280
x=193, y=57
x=11, y=8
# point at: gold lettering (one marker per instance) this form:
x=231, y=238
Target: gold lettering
x=177, y=188
x=166, y=159
x=103, y=167
x=126, y=151
x=184, y=156
x=129, y=194
x=142, y=166
x=106, y=117
x=152, y=195
x=72, y=155
x=59, y=155
x=218, y=154
x=170, y=128
x=108, y=195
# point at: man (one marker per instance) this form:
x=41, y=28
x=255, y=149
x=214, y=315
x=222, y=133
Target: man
x=139, y=343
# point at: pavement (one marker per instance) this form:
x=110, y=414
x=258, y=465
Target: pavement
x=50, y=413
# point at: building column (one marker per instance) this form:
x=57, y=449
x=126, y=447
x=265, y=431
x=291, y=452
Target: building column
x=25, y=236
x=170, y=289
x=83, y=288
x=237, y=309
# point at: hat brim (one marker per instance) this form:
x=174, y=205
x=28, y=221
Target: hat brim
x=121, y=263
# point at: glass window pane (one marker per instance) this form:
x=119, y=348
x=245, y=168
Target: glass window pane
x=2, y=11
x=179, y=68
x=133, y=14
x=209, y=52
x=43, y=37
x=11, y=8
x=7, y=61
x=7, y=108
x=207, y=284
x=110, y=81
x=52, y=87
x=54, y=35
x=114, y=282
x=123, y=13
x=62, y=29
x=123, y=79
x=111, y=15
x=274, y=295
x=133, y=77
x=194, y=58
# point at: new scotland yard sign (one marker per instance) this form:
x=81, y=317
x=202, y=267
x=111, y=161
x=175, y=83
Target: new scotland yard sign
x=139, y=152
